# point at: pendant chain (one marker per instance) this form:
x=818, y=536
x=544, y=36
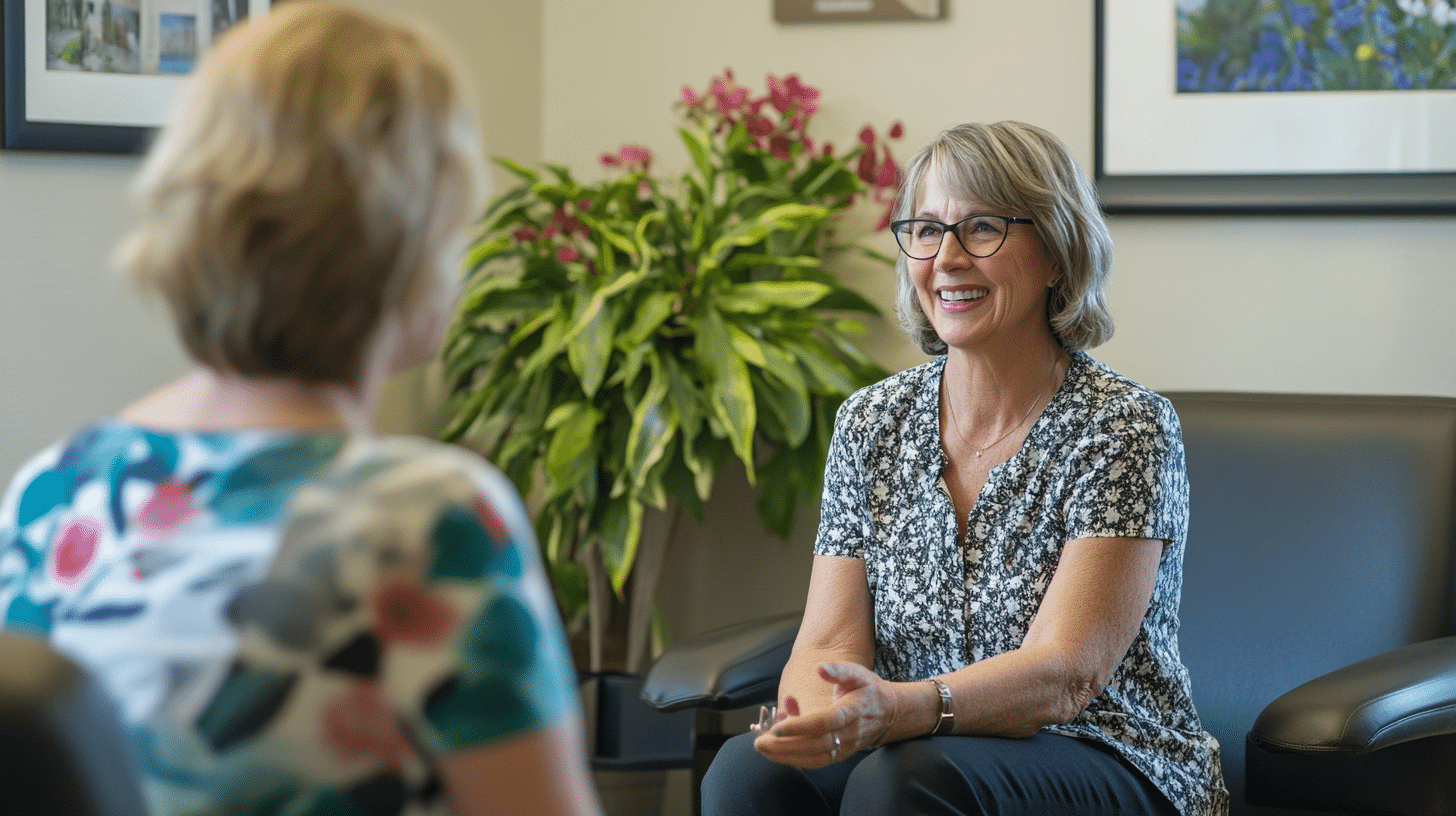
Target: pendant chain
x=950, y=405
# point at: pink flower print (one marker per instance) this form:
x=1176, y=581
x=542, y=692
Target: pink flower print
x=609, y=160
x=690, y=98
x=867, y=135
x=778, y=146
x=406, y=612
x=568, y=254
x=76, y=549
x=359, y=725
x=897, y=130
x=168, y=507
x=500, y=532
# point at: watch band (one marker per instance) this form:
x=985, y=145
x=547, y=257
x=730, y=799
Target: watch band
x=947, y=713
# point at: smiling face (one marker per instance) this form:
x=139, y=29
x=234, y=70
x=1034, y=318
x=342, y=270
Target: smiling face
x=980, y=303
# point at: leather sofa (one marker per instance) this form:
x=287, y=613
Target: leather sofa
x=1317, y=617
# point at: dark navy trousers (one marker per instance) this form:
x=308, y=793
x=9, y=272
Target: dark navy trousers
x=1045, y=775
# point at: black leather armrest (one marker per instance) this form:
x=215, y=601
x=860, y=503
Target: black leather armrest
x=1402, y=695
x=724, y=669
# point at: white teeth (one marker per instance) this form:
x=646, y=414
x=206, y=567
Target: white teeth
x=962, y=294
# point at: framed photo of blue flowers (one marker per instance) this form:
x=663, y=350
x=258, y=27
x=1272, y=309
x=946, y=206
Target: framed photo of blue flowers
x=101, y=75
x=1276, y=106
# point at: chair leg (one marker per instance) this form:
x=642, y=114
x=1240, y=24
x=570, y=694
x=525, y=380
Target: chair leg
x=709, y=738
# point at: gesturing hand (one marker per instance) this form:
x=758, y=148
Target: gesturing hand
x=861, y=713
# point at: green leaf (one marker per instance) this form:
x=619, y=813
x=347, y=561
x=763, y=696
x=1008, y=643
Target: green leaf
x=730, y=391
x=652, y=312
x=620, y=533
x=590, y=346
x=790, y=406
x=758, y=297
x=746, y=347
x=571, y=453
x=699, y=146
x=654, y=425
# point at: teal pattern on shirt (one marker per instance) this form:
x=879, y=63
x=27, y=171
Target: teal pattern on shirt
x=291, y=622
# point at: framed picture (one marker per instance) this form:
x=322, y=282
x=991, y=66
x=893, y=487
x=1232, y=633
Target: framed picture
x=1276, y=106
x=102, y=75
x=820, y=11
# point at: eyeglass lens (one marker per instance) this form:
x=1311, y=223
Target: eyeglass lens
x=980, y=235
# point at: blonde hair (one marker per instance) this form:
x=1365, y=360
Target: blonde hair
x=312, y=186
x=1020, y=169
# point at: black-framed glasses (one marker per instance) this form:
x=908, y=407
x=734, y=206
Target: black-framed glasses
x=979, y=235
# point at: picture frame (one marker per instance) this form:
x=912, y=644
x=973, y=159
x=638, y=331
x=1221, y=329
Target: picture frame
x=857, y=11
x=104, y=75
x=1157, y=150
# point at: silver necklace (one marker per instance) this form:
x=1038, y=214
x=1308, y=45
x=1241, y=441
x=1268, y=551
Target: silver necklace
x=950, y=407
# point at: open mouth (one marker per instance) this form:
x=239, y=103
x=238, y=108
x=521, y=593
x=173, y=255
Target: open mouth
x=962, y=295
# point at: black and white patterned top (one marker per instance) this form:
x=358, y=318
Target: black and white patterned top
x=1105, y=459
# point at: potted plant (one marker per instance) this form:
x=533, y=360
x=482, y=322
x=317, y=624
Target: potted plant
x=620, y=340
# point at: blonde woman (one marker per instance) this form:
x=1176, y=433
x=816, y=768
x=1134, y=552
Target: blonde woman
x=992, y=616
x=297, y=616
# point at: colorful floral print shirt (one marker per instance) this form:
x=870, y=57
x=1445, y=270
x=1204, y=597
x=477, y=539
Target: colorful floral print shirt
x=292, y=622
x=1105, y=459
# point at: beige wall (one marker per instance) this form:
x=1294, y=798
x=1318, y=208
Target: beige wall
x=1201, y=303
x=1217, y=303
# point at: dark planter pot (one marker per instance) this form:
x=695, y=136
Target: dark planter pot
x=626, y=734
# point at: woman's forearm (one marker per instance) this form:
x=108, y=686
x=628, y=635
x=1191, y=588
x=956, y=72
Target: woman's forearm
x=802, y=681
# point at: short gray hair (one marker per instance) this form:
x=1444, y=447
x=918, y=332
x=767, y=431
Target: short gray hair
x=1022, y=169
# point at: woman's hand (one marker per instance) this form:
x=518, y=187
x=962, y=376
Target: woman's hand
x=861, y=714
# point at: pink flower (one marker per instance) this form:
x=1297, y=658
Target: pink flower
x=888, y=174
x=759, y=125
x=897, y=130
x=608, y=160
x=828, y=149
x=634, y=158
x=359, y=724
x=690, y=98
x=568, y=254
x=584, y=205
x=778, y=146
x=867, y=167
x=405, y=611
x=168, y=507
x=524, y=234
x=76, y=548
x=867, y=135
x=789, y=93
x=644, y=190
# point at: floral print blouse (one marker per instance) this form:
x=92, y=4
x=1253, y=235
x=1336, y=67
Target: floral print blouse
x=1104, y=459
x=291, y=622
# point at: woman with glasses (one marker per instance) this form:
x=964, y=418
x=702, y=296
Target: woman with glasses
x=991, y=623
x=297, y=616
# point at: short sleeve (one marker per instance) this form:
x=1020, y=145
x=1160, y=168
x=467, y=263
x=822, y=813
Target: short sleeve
x=1128, y=476
x=843, y=521
x=512, y=669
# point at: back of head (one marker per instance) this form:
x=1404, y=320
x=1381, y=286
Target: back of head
x=312, y=185
x=1020, y=169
